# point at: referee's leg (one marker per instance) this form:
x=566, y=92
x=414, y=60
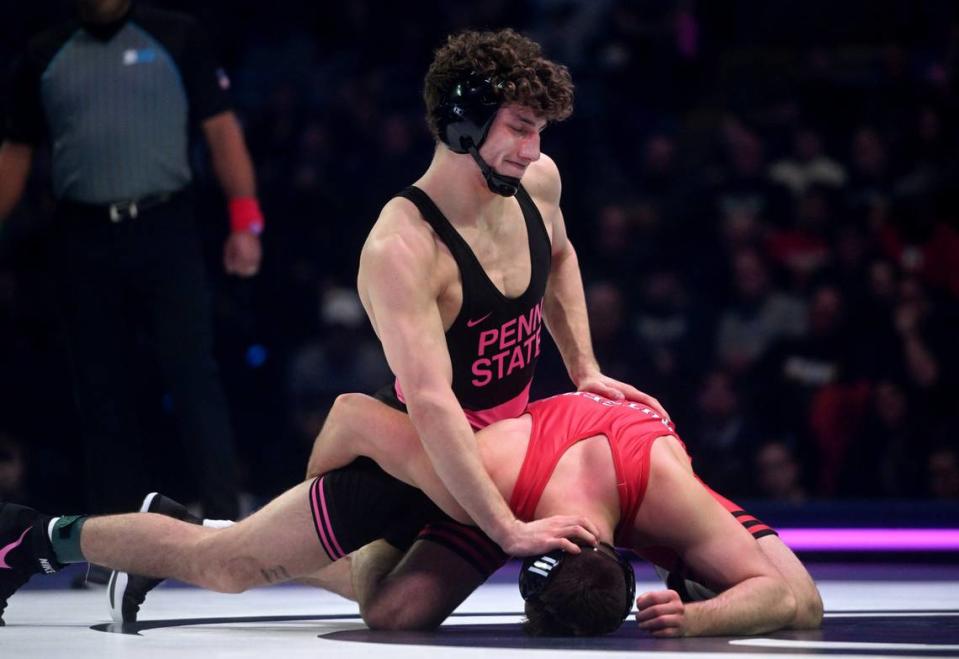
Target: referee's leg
x=181, y=325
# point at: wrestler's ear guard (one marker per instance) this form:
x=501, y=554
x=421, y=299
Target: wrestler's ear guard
x=466, y=112
x=537, y=571
x=464, y=117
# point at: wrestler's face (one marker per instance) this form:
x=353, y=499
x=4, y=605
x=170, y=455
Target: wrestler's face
x=97, y=11
x=512, y=143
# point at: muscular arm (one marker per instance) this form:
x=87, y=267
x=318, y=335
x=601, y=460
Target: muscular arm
x=15, y=160
x=395, y=271
x=679, y=513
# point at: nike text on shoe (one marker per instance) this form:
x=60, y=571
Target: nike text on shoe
x=126, y=592
x=24, y=549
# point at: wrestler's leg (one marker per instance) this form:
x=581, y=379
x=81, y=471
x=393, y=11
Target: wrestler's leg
x=337, y=577
x=424, y=588
x=275, y=544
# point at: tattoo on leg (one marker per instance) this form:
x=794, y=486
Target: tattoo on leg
x=275, y=573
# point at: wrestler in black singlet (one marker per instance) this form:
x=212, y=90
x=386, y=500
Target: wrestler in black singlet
x=494, y=343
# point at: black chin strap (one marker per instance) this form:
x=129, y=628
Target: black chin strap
x=505, y=186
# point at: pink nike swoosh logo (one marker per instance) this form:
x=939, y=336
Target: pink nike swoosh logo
x=9, y=548
x=473, y=323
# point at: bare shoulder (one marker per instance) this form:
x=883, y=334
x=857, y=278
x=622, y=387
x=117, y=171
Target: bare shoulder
x=543, y=182
x=399, y=237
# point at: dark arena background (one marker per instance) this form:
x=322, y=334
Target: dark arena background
x=764, y=199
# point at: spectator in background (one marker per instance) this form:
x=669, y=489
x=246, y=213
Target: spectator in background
x=779, y=473
x=942, y=468
x=344, y=357
x=608, y=314
x=723, y=438
x=758, y=316
x=673, y=333
x=614, y=244
x=887, y=458
x=804, y=248
x=870, y=175
x=116, y=109
x=927, y=352
x=801, y=383
x=807, y=165
x=743, y=187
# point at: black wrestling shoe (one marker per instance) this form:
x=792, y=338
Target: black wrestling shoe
x=25, y=549
x=689, y=591
x=126, y=592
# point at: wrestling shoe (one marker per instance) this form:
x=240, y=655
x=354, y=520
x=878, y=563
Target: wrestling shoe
x=689, y=590
x=126, y=592
x=25, y=549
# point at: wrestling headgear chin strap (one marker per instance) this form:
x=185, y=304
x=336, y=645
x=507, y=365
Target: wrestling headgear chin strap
x=464, y=117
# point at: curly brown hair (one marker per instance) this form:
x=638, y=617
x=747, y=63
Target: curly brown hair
x=513, y=62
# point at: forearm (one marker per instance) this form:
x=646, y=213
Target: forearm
x=229, y=155
x=754, y=606
x=451, y=448
x=564, y=310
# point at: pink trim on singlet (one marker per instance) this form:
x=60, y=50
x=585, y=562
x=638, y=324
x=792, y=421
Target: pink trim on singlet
x=327, y=537
x=511, y=409
x=562, y=421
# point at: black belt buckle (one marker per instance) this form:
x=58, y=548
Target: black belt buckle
x=122, y=210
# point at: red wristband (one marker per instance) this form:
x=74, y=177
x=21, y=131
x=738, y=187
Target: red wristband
x=245, y=215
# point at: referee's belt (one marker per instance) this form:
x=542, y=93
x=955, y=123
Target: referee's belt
x=119, y=210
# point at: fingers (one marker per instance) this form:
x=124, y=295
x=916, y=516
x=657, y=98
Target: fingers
x=616, y=390
x=236, y=264
x=564, y=532
x=578, y=532
x=569, y=546
x=592, y=528
x=656, y=598
x=661, y=613
x=656, y=405
x=607, y=388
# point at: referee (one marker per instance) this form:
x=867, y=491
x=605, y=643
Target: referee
x=115, y=94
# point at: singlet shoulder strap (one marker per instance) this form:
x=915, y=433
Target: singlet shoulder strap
x=535, y=224
x=435, y=218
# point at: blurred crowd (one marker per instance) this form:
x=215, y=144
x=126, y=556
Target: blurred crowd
x=764, y=201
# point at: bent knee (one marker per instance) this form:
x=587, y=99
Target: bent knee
x=218, y=570
x=389, y=615
x=809, y=611
x=402, y=607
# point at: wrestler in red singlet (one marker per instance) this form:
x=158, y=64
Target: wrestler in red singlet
x=631, y=428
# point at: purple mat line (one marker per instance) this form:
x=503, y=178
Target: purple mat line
x=864, y=540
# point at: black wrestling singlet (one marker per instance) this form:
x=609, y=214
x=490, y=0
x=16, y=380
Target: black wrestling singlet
x=494, y=341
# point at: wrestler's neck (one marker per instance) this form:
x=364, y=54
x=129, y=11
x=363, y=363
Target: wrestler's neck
x=454, y=182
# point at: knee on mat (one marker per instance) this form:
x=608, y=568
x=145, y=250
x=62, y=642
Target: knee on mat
x=809, y=611
x=400, y=613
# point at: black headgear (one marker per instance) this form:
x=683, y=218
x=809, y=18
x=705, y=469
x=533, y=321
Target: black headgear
x=538, y=570
x=464, y=117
